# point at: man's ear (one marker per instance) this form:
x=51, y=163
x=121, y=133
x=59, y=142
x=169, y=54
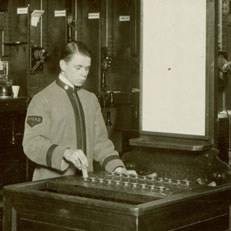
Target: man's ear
x=62, y=65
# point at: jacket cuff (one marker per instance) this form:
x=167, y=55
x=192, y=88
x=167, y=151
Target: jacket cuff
x=112, y=162
x=55, y=157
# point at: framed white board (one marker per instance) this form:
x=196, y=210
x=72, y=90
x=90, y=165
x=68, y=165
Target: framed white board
x=173, y=67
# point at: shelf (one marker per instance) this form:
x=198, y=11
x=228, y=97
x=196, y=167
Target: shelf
x=177, y=144
x=11, y=104
x=17, y=43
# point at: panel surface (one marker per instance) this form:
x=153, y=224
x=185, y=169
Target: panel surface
x=174, y=67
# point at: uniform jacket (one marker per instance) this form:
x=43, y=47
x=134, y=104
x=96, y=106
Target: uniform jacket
x=50, y=130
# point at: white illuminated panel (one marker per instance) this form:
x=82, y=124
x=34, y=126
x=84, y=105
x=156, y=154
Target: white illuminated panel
x=174, y=66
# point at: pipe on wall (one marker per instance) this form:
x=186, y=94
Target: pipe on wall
x=220, y=24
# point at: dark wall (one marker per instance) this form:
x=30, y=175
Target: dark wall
x=17, y=45
x=20, y=37
x=3, y=5
x=53, y=40
x=105, y=35
x=226, y=46
x=88, y=31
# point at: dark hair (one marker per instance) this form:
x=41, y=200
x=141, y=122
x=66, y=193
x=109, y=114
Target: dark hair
x=75, y=47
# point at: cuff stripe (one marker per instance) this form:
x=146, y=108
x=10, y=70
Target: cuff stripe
x=50, y=153
x=109, y=159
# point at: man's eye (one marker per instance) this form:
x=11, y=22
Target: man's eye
x=77, y=68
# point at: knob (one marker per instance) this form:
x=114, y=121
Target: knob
x=134, y=185
x=187, y=182
x=85, y=179
x=161, y=188
x=117, y=182
x=168, y=180
x=109, y=181
x=108, y=120
x=92, y=179
x=111, y=99
x=100, y=180
x=143, y=186
x=126, y=183
x=151, y=178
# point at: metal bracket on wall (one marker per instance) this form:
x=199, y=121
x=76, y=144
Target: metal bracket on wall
x=38, y=56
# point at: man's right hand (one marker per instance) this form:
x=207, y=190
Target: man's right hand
x=76, y=157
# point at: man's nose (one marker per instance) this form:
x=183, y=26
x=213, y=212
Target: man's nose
x=84, y=72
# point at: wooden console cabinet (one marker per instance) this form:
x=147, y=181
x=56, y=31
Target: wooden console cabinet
x=69, y=203
x=12, y=159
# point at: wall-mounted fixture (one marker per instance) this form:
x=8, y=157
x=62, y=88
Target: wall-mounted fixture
x=223, y=64
x=38, y=56
x=226, y=7
x=70, y=27
x=105, y=65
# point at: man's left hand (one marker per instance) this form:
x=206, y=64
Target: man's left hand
x=121, y=170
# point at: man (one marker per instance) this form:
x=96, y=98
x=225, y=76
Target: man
x=64, y=127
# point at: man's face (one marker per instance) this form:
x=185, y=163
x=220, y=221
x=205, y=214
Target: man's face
x=77, y=69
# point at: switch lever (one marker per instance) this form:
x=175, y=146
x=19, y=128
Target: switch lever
x=84, y=172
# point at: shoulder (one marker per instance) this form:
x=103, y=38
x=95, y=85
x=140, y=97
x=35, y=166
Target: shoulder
x=87, y=94
x=49, y=92
x=44, y=96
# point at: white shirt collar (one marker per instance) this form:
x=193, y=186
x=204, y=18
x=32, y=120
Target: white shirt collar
x=65, y=80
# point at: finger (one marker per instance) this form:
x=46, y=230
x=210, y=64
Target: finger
x=84, y=173
x=77, y=164
x=76, y=161
x=154, y=174
x=120, y=170
x=132, y=172
x=73, y=157
x=82, y=158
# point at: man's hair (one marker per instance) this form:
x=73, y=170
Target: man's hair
x=75, y=47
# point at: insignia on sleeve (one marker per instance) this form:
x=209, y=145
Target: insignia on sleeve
x=34, y=120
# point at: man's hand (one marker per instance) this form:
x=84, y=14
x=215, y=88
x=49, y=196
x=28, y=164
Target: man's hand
x=121, y=170
x=77, y=158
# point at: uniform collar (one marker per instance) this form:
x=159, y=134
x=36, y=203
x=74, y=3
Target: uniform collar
x=65, y=80
x=66, y=84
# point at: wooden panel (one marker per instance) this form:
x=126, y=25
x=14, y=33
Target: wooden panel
x=202, y=212
x=32, y=205
x=13, y=104
x=12, y=158
x=18, y=54
x=12, y=116
x=123, y=74
x=28, y=225
x=13, y=166
x=63, y=215
x=88, y=31
x=53, y=40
